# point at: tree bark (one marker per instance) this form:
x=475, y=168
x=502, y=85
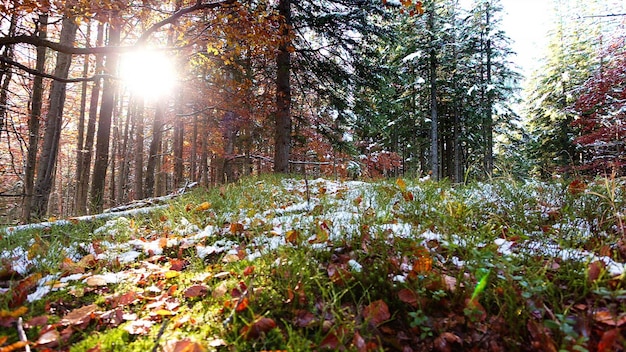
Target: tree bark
x=138, y=106
x=34, y=123
x=282, y=134
x=179, y=134
x=85, y=156
x=96, y=196
x=6, y=75
x=49, y=155
x=155, y=143
x=434, y=123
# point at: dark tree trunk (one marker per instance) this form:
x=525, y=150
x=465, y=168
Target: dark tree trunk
x=6, y=75
x=85, y=155
x=179, y=133
x=155, y=144
x=434, y=127
x=282, y=134
x=138, y=105
x=34, y=123
x=96, y=197
x=49, y=154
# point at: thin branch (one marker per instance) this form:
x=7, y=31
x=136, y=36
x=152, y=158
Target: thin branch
x=46, y=75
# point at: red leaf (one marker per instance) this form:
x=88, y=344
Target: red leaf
x=242, y=304
x=196, y=291
x=608, y=341
x=257, y=328
x=377, y=312
x=594, y=270
x=331, y=342
x=409, y=297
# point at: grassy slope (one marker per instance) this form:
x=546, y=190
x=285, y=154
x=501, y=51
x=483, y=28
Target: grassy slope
x=360, y=266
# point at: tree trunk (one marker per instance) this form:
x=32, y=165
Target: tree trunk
x=138, y=105
x=49, y=155
x=84, y=160
x=33, y=122
x=282, y=136
x=125, y=157
x=155, y=143
x=6, y=75
x=179, y=134
x=488, y=122
x=96, y=196
x=434, y=123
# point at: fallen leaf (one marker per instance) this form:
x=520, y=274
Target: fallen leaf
x=196, y=291
x=139, y=327
x=293, y=237
x=447, y=342
x=608, y=318
x=21, y=290
x=257, y=328
x=331, y=342
x=14, y=346
x=303, y=318
x=249, y=270
x=377, y=312
x=541, y=339
x=409, y=297
x=96, y=280
x=236, y=228
x=401, y=184
x=185, y=345
x=80, y=316
x=609, y=340
x=202, y=207
x=49, y=339
x=359, y=342
x=178, y=264
x=36, y=321
x=170, y=274
x=594, y=270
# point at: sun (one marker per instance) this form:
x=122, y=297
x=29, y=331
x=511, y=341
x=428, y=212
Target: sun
x=148, y=73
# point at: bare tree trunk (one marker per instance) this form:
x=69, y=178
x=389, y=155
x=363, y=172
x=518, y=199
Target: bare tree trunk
x=282, y=134
x=49, y=155
x=84, y=157
x=33, y=122
x=194, y=145
x=6, y=75
x=179, y=134
x=104, y=128
x=434, y=127
x=155, y=143
x=138, y=105
x=125, y=157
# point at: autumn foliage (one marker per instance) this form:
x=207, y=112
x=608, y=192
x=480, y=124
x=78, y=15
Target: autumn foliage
x=601, y=114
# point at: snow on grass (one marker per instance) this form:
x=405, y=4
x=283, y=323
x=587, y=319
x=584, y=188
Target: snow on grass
x=333, y=205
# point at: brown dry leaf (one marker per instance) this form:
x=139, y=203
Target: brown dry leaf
x=79, y=316
x=185, y=345
x=594, y=270
x=49, y=339
x=236, y=228
x=447, y=342
x=542, y=340
x=449, y=282
x=36, y=321
x=608, y=318
x=196, y=291
x=258, y=328
x=21, y=290
x=409, y=297
x=249, y=270
x=220, y=290
x=230, y=258
x=377, y=312
x=293, y=237
x=96, y=280
x=359, y=342
x=178, y=264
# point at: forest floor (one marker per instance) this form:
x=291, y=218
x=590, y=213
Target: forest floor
x=289, y=264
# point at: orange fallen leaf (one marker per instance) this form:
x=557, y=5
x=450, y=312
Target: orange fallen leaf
x=203, y=206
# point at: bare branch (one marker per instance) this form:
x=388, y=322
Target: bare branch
x=46, y=75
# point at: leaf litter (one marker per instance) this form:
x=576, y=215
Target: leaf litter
x=337, y=212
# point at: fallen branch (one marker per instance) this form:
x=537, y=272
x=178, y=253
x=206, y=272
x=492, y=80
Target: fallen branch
x=143, y=207
x=22, y=334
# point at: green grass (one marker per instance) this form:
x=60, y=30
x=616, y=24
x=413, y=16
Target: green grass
x=352, y=247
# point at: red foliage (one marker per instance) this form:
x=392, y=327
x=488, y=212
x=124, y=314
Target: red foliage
x=601, y=110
